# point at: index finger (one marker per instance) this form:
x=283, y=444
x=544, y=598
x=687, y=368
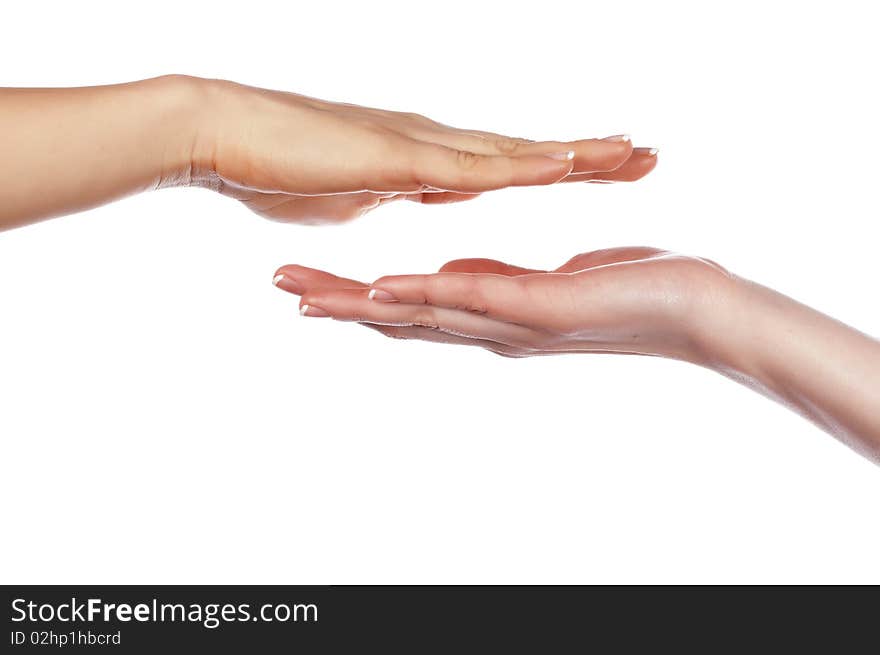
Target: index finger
x=450, y=169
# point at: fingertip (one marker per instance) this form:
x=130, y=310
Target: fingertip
x=398, y=288
x=294, y=270
x=646, y=160
x=312, y=311
x=381, y=295
x=311, y=301
x=641, y=162
x=285, y=278
x=280, y=272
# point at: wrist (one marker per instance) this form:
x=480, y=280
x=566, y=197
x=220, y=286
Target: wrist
x=179, y=109
x=733, y=337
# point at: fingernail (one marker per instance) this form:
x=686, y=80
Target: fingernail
x=617, y=138
x=312, y=311
x=381, y=296
x=288, y=284
x=646, y=151
x=562, y=156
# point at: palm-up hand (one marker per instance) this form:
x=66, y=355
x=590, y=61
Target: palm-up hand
x=625, y=300
x=293, y=158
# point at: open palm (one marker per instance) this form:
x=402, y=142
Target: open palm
x=624, y=300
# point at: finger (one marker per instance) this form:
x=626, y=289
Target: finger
x=497, y=296
x=590, y=155
x=355, y=305
x=297, y=280
x=450, y=169
x=436, y=336
x=641, y=162
x=608, y=256
x=485, y=266
x=439, y=198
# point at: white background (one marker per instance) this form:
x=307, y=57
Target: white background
x=166, y=416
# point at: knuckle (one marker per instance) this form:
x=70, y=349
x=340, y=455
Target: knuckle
x=507, y=146
x=467, y=160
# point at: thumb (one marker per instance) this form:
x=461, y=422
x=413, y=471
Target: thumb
x=485, y=266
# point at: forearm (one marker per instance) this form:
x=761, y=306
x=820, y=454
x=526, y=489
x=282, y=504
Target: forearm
x=66, y=150
x=821, y=368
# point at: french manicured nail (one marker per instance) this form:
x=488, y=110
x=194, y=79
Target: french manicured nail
x=288, y=284
x=381, y=296
x=617, y=138
x=312, y=311
x=562, y=156
x=646, y=151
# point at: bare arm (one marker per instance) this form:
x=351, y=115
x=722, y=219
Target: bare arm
x=65, y=150
x=819, y=367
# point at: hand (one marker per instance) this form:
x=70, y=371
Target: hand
x=293, y=158
x=624, y=300
x=627, y=300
